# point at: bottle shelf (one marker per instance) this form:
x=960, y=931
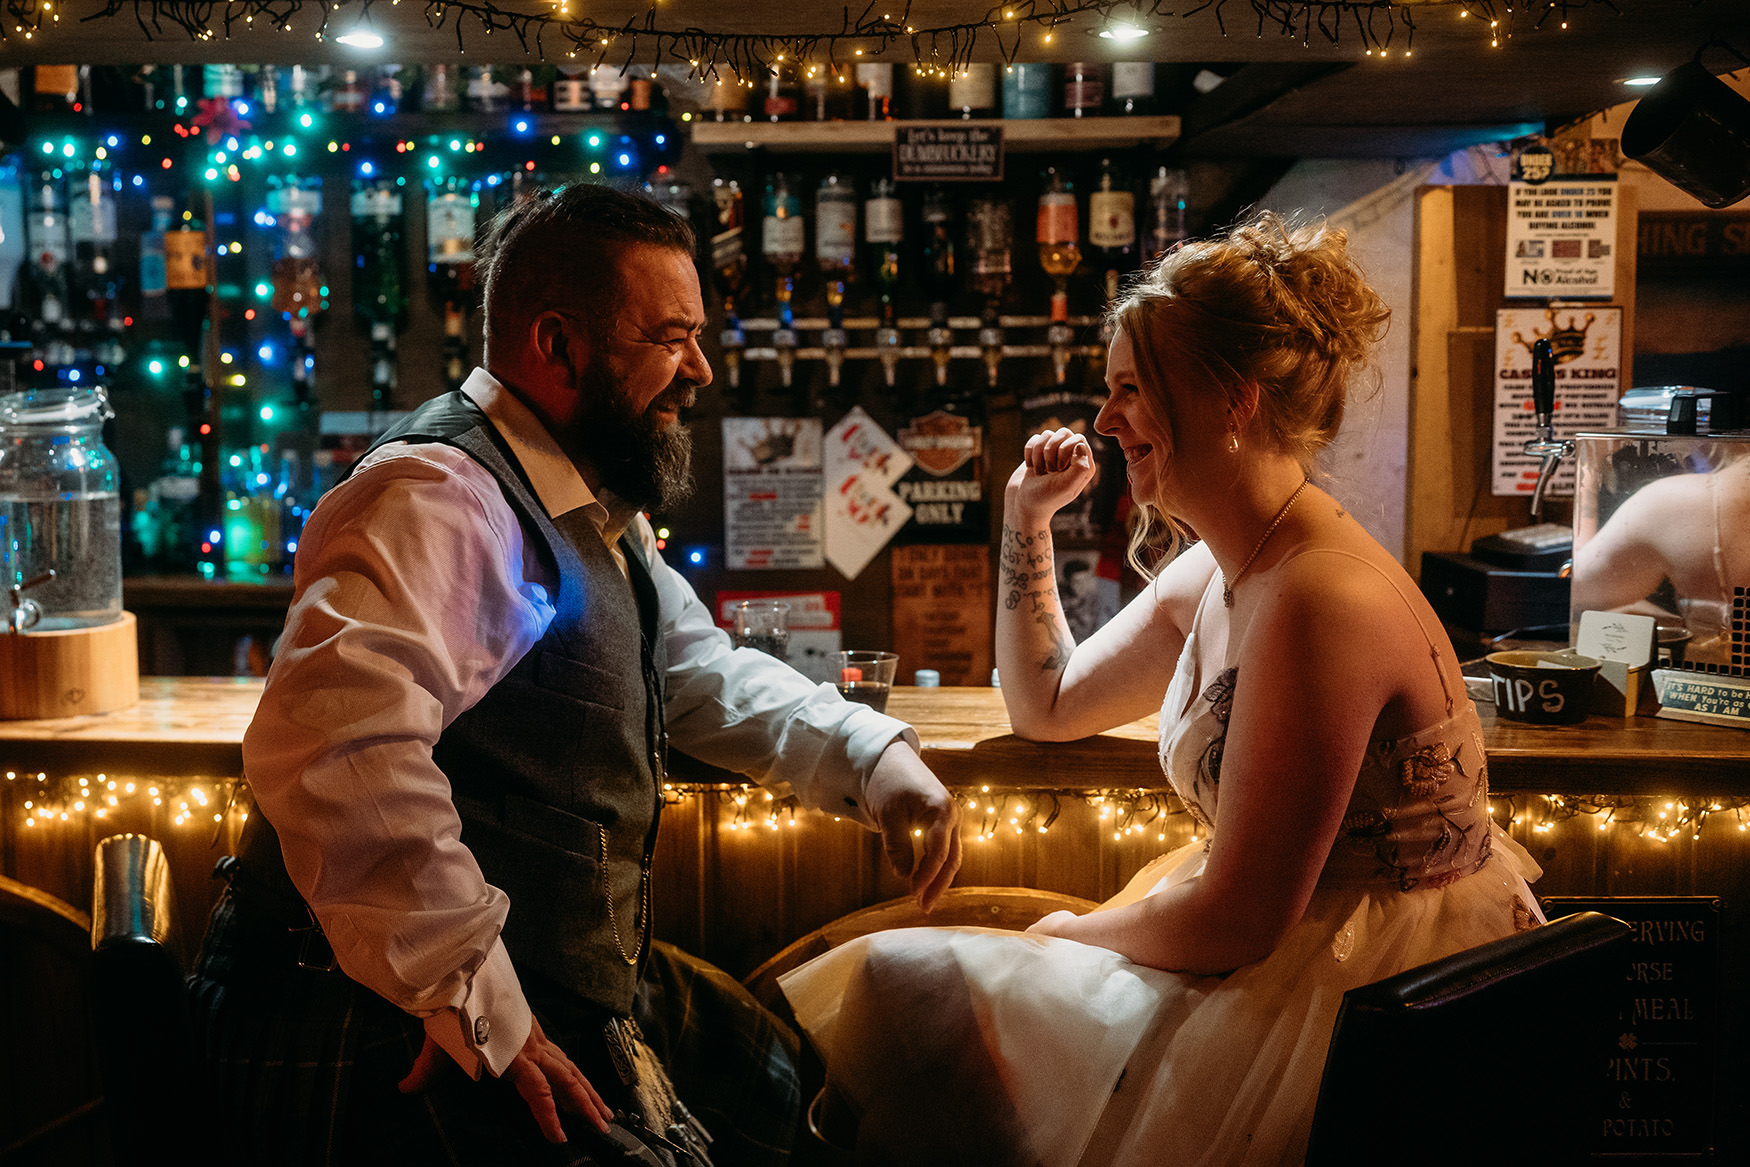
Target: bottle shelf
x=870, y=137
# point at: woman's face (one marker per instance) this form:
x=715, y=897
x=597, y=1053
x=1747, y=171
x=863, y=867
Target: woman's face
x=1167, y=431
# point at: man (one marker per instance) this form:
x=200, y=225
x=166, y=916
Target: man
x=461, y=744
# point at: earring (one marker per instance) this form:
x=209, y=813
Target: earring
x=1233, y=442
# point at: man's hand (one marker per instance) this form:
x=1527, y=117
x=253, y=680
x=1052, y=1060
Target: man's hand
x=541, y=1073
x=911, y=807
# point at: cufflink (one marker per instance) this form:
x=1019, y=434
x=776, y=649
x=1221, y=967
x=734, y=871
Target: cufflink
x=482, y=1030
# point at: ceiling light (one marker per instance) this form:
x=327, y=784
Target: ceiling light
x=1123, y=32
x=359, y=36
x=1639, y=82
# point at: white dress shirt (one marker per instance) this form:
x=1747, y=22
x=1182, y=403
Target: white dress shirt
x=416, y=590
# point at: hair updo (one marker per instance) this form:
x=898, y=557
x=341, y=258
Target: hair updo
x=1271, y=303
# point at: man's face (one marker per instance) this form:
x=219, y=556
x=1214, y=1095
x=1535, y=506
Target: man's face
x=643, y=374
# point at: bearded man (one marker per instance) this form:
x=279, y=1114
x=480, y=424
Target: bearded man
x=434, y=933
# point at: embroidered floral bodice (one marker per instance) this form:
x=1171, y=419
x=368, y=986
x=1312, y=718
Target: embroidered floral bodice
x=1418, y=816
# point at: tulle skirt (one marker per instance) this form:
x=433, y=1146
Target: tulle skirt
x=980, y=1046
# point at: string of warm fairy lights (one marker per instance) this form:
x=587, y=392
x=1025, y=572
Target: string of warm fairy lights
x=1144, y=817
x=561, y=29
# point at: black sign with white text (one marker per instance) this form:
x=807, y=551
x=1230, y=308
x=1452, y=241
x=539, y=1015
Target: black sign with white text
x=1657, y=1051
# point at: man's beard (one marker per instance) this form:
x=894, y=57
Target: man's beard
x=643, y=461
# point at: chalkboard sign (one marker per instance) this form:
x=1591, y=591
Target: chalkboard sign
x=948, y=153
x=1656, y=1093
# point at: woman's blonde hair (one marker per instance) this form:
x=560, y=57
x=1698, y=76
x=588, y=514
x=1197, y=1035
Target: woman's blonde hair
x=1270, y=303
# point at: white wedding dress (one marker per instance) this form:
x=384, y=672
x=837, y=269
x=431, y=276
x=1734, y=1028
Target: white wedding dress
x=979, y=1046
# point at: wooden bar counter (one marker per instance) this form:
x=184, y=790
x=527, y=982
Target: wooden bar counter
x=189, y=726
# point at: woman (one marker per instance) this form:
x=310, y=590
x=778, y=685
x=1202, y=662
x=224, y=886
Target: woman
x=1315, y=721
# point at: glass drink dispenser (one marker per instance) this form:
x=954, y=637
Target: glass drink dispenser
x=68, y=647
x=1662, y=528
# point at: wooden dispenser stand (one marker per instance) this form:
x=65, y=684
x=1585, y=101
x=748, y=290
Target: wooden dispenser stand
x=71, y=671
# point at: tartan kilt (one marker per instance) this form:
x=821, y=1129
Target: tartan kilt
x=300, y=1067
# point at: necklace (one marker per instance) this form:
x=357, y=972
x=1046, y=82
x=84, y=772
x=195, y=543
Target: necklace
x=1227, y=585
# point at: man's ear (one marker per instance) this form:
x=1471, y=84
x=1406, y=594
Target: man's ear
x=554, y=343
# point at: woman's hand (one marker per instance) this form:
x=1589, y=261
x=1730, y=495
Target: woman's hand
x=1059, y=923
x=1056, y=466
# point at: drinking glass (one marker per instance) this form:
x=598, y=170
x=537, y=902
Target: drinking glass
x=866, y=677
x=762, y=624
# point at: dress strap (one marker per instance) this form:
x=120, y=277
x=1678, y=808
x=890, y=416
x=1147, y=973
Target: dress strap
x=1433, y=647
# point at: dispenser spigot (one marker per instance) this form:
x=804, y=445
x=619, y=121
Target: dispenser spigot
x=835, y=341
x=941, y=341
x=733, y=341
x=1058, y=336
x=990, y=342
x=784, y=341
x=887, y=349
x=25, y=613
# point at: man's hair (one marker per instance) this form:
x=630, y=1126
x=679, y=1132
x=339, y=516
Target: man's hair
x=562, y=249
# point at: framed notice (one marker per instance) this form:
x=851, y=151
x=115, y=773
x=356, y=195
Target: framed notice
x=1657, y=1039
x=1587, y=343
x=772, y=493
x=1561, y=238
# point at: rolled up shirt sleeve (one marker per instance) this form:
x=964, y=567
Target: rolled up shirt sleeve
x=409, y=604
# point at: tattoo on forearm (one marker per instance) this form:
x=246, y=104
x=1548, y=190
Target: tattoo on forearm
x=1023, y=564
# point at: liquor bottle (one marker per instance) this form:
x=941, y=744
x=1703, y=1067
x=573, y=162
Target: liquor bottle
x=154, y=304
x=783, y=101
x=1059, y=254
x=991, y=236
x=883, y=234
x=438, y=94
x=386, y=92
x=383, y=371
x=379, y=279
x=875, y=86
x=55, y=89
x=484, y=93
x=729, y=269
x=972, y=91
x=1112, y=226
x=835, y=250
x=349, y=95
x=570, y=90
x=450, y=209
x=922, y=93
x=296, y=278
x=782, y=243
x=91, y=217
x=174, y=499
x=1027, y=91
x=188, y=276
x=522, y=90
x=1167, y=193
x=939, y=274
x=46, y=292
x=1084, y=88
x=1133, y=88
x=727, y=99
x=608, y=85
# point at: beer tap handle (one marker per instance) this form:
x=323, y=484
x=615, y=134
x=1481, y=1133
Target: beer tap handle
x=1543, y=386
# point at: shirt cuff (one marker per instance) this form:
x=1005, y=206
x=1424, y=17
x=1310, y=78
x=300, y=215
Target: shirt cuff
x=867, y=736
x=488, y=1029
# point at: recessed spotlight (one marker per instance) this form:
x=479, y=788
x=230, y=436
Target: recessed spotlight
x=1123, y=32
x=1640, y=82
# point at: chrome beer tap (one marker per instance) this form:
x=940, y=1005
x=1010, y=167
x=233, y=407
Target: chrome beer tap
x=1543, y=402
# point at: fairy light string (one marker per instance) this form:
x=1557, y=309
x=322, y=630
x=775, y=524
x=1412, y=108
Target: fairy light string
x=39, y=800
x=658, y=36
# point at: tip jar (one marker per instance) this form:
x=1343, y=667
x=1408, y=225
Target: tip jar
x=60, y=511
